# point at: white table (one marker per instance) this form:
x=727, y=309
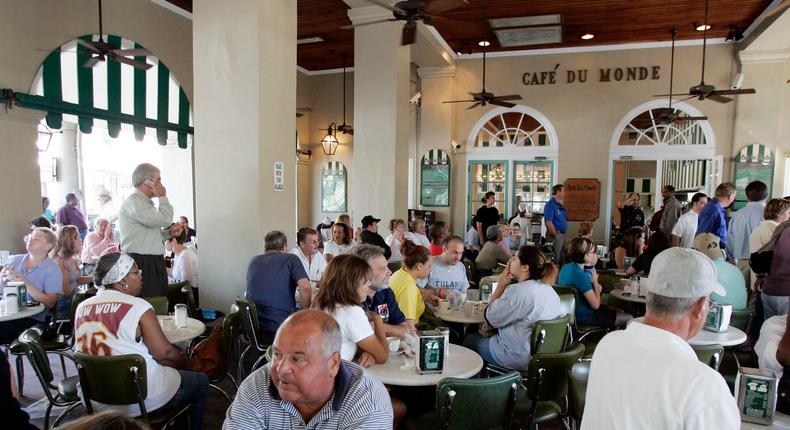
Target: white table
x=781, y=421
x=27, y=311
x=628, y=298
x=400, y=369
x=731, y=337
x=459, y=316
x=193, y=329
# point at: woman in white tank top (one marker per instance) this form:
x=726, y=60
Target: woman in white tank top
x=116, y=322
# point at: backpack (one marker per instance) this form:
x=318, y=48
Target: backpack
x=760, y=260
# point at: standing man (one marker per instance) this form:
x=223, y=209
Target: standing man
x=743, y=223
x=272, y=280
x=448, y=273
x=70, y=214
x=630, y=213
x=143, y=226
x=672, y=210
x=307, y=250
x=686, y=228
x=712, y=218
x=486, y=216
x=556, y=218
x=651, y=362
x=370, y=234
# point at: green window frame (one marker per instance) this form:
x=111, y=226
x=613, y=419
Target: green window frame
x=435, y=178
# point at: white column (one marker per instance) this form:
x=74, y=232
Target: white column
x=381, y=116
x=245, y=99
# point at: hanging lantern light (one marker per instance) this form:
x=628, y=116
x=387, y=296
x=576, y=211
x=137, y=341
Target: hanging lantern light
x=329, y=142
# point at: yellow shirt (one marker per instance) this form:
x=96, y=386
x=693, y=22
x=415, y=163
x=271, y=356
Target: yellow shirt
x=407, y=294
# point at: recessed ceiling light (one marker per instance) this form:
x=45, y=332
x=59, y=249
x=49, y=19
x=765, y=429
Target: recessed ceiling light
x=588, y=36
x=701, y=27
x=318, y=38
x=484, y=43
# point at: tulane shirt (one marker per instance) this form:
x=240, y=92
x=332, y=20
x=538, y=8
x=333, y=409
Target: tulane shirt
x=448, y=277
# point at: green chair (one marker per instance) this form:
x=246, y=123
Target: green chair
x=182, y=293
x=470, y=271
x=394, y=266
x=550, y=335
x=231, y=330
x=742, y=318
x=579, y=374
x=159, y=303
x=65, y=392
x=711, y=355
x=546, y=383
x=249, y=321
x=121, y=380
x=579, y=332
x=459, y=401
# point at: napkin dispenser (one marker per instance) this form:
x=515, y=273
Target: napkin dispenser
x=718, y=319
x=755, y=392
x=430, y=352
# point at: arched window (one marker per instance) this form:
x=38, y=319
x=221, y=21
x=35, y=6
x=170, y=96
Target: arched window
x=435, y=178
x=333, y=187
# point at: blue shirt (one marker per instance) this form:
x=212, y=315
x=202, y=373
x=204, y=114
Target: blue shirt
x=47, y=277
x=573, y=275
x=711, y=220
x=731, y=278
x=385, y=304
x=271, y=284
x=741, y=227
x=555, y=212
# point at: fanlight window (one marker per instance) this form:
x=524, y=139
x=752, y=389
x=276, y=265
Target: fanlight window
x=653, y=127
x=511, y=129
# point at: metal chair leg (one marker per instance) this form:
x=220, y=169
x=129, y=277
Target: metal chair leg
x=221, y=391
x=64, y=413
x=258, y=362
x=240, y=370
x=63, y=366
x=46, y=416
x=20, y=375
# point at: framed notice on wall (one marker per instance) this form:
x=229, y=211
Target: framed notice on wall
x=582, y=199
x=753, y=163
x=435, y=178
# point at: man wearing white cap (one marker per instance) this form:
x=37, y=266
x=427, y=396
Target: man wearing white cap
x=647, y=376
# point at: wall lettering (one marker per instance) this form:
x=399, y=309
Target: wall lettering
x=610, y=74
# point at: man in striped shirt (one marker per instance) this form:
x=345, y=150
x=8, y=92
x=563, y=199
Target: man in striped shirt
x=307, y=385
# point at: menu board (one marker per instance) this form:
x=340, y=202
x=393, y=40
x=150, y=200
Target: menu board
x=582, y=199
x=753, y=163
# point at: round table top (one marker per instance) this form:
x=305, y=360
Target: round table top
x=627, y=298
x=459, y=316
x=400, y=369
x=781, y=421
x=193, y=329
x=731, y=337
x=25, y=312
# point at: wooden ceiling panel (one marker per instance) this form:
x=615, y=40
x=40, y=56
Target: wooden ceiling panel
x=611, y=21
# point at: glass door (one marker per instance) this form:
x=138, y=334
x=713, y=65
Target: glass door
x=532, y=184
x=485, y=176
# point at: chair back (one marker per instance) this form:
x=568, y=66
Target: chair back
x=249, y=319
x=742, y=318
x=568, y=306
x=477, y=403
x=231, y=330
x=112, y=380
x=29, y=344
x=710, y=355
x=580, y=373
x=159, y=303
x=550, y=335
x=76, y=299
x=547, y=375
x=394, y=266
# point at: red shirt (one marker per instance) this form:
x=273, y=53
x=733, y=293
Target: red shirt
x=435, y=249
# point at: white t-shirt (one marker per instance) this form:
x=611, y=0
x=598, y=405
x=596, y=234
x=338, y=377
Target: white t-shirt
x=645, y=377
x=685, y=228
x=106, y=324
x=770, y=335
x=524, y=224
x=394, y=247
x=185, y=267
x=315, y=267
x=419, y=239
x=354, y=327
x=334, y=249
x=762, y=234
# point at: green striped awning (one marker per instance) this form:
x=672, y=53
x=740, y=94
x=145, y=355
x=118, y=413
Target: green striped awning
x=435, y=156
x=756, y=154
x=334, y=168
x=110, y=95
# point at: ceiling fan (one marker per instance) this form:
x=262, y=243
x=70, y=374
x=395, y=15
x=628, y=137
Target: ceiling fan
x=670, y=115
x=484, y=97
x=101, y=51
x=703, y=91
x=411, y=11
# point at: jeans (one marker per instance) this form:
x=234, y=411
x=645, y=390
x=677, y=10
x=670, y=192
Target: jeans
x=194, y=390
x=481, y=345
x=774, y=305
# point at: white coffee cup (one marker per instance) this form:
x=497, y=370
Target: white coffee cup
x=443, y=305
x=168, y=323
x=11, y=304
x=393, y=343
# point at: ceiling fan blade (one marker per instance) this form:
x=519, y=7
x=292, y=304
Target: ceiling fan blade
x=690, y=96
x=92, y=61
x=409, y=33
x=474, y=105
x=351, y=27
x=718, y=98
x=507, y=97
x=501, y=103
x=671, y=95
x=439, y=6
x=89, y=45
x=137, y=52
x=734, y=92
x=460, y=101
x=133, y=63
x=691, y=118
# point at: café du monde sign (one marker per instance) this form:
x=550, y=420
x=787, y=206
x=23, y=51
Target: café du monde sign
x=610, y=74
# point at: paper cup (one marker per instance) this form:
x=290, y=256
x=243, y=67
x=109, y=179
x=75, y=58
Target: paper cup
x=443, y=305
x=393, y=343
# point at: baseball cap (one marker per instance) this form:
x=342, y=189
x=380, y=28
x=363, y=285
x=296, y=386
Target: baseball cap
x=492, y=231
x=683, y=273
x=368, y=220
x=708, y=244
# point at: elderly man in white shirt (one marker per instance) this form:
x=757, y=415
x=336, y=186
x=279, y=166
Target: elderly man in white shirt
x=684, y=230
x=307, y=250
x=647, y=376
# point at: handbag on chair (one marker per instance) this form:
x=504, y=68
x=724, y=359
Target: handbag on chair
x=210, y=355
